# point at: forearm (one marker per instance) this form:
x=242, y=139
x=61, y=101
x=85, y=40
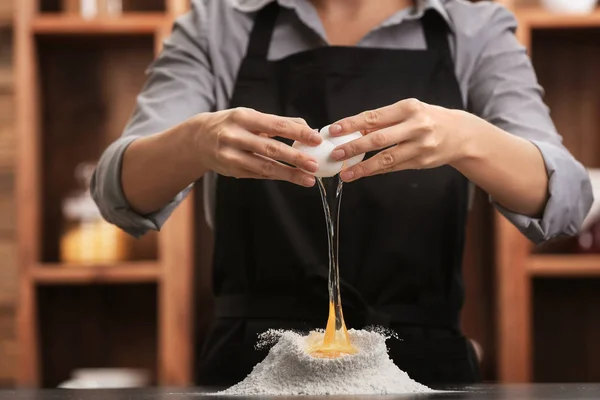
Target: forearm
x=509, y=168
x=156, y=168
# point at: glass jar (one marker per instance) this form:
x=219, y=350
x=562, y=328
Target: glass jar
x=87, y=237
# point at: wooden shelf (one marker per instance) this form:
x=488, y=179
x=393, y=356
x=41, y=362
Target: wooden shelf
x=564, y=265
x=137, y=24
x=539, y=18
x=130, y=272
x=533, y=313
x=83, y=75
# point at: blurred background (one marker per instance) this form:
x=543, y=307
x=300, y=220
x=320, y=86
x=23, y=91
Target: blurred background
x=83, y=304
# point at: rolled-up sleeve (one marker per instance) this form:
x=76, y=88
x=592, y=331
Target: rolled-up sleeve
x=504, y=90
x=179, y=85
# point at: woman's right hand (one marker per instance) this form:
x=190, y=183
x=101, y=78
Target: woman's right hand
x=239, y=143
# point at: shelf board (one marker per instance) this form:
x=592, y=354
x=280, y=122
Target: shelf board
x=539, y=18
x=127, y=272
x=565, y=265
x=59, y=24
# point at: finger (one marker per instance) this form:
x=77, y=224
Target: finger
x=377, y=118
x=300, y=121
x=414, y=163
x=376, y=140
x=265, y=168
x=309, y=182
x=274, y=150
x=384, y=161
x=273, y=125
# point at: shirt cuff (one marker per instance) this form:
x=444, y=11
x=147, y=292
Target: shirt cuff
x=107, y=191
x=570, y=198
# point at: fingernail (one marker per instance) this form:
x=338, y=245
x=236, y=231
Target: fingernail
x=347, y=175
x=335, y=128
x=312, y=166
x=338, y=154
x=308, y=181
x=316, y=138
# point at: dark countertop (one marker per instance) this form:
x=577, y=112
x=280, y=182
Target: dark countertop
x=484, y=392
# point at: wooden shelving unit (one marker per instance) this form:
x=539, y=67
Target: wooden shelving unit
x=60, y=274
x=8, y=286
x=129, y=24
x=561, y=265
x=76, y=84
x=76, y=81
x=546, y=326
x=538, y=18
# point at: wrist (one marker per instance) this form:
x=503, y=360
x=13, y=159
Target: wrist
x=473, y=140
x=189, y=145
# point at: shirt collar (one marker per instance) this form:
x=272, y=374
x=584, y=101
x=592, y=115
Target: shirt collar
x=249, y=6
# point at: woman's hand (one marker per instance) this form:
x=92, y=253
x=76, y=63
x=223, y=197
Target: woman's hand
x=414, y=135
x=235, y=142
x=239, y=143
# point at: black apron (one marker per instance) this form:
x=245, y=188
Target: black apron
x=401, y=234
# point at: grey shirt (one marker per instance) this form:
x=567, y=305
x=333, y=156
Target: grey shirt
x=196, y=73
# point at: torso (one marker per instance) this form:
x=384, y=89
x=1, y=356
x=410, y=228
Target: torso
x=298, y=29
x=401, y=234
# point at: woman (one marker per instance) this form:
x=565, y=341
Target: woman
x=239, y=80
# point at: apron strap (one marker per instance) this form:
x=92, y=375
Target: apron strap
x=434, y=26
x=436, y=32
x=262, y=31
x=277, y=307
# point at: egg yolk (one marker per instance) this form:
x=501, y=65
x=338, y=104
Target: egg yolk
x=336, y=342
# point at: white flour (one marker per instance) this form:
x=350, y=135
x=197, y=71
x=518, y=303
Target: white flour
x=289, y=370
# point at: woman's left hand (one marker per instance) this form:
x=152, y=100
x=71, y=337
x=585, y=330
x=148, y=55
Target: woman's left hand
x=415, y=135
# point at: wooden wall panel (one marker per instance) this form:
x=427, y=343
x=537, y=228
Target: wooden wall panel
x=573, y=97
x=6, y=9
x=51, y=5
x=8, y=264
x=8, y=275
x=8, y=347
x=7, y=204
x=7, y=146
x=478, y=318
x=8, y=295
x=143, y=5
x=7, y=111
x=101, y=326
x=6, y=76
x=566, y=330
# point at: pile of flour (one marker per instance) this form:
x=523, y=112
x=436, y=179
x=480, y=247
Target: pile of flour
x=289, y=370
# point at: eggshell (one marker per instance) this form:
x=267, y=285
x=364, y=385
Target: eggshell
x=340, y=140
x=322, y=154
